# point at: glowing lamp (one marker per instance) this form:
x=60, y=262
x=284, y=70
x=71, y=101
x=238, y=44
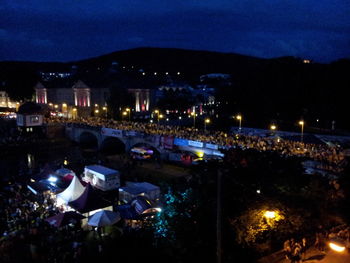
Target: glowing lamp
x=336, y=247
x=200, y=154
x=270, y=214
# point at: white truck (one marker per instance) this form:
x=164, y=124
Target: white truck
x=101, y=177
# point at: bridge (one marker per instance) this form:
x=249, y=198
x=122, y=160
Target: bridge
x=120, y=141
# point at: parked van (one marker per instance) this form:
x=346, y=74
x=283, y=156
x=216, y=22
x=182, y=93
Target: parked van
x=101, y=177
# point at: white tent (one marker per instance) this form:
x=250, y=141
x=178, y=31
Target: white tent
x=104, y=218
x=72, y=192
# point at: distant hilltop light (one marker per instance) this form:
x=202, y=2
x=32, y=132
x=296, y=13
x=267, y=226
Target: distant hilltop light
x=306, y=61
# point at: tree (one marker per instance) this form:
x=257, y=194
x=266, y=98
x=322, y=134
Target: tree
x=183, y=227
x=260, y=223
x=19, y=83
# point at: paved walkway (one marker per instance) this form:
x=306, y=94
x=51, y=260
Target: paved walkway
x=312, y=256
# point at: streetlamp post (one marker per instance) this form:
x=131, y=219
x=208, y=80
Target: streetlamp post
x=239, y=118
x=64, y=109
x=273, y=128
x=105, y=110
x=157, y=112
x=301, y=123
x=75, y=113
x=128, y=111
x=160, y=116
x=124, y=114
x=206, y=121
x=193, y=113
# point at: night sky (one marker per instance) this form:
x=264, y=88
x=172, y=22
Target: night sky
x=65, y=30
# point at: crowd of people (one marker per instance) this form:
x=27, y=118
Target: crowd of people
x=27, y=237
x=331, y=157
x=295, y=251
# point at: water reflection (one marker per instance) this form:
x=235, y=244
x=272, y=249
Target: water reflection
x=25, y=162
x=30, y=160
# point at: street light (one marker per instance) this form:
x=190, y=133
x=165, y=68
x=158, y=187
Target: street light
x=206, y=121
x=301, y=123
x=128, y=111
x=273, y=128
x=74, y=115
x=64, y=108
x=105, y=110
x=160, y=116
x=336, y=246
x=124, y=113
x=193, y=113
x=239, y=118
x=270, y=214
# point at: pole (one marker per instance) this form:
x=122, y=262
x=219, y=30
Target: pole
x=302, y=132
x=218, y=219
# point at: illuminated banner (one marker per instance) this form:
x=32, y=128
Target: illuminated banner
x=211, y=146
x=130, y=133
x=112, y=132
x=180, y=142
x=195, y=143
x=217, y=153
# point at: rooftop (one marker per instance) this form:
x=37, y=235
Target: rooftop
x=101, y=169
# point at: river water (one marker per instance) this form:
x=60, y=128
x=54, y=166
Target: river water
x=19, y=163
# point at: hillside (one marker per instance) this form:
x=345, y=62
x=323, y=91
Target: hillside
x=282, y=88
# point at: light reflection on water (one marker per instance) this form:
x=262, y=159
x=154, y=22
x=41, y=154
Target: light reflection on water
x=24, y=163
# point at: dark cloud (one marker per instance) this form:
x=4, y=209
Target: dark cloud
x=69, y=30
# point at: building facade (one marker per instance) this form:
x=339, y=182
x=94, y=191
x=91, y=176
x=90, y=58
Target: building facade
x=142, y=99
x=66, y=98
x=5, y=101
